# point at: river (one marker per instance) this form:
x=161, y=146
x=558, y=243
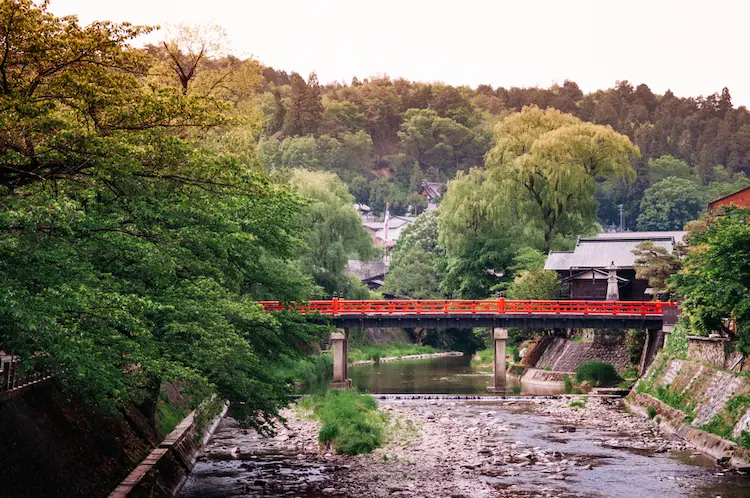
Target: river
x=442, y=375
x=537, y=447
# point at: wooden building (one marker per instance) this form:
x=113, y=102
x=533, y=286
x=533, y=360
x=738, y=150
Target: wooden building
x=586, y=271
x=740, y=199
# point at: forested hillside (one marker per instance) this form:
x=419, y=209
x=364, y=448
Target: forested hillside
x=383, y=137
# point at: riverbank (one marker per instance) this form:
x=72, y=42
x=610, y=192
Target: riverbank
x=377, y=352
x=388, y=359
x=469, y=449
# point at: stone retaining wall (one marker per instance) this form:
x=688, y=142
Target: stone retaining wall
x=536, y=375
x=717, y=351
x=163, y=472
x=564, y=355
x=672, y=421
x=702, y=392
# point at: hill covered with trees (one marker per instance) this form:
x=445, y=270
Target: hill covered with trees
x=384, y=136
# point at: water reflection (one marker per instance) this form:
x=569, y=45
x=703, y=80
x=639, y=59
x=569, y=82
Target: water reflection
x=444, y=375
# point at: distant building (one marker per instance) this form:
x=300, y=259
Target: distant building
x=740, y=199
x=601, y=265
x=431, y=190
x=371, y=273
x=376, y=230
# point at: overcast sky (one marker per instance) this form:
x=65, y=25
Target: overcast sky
x=691, y=47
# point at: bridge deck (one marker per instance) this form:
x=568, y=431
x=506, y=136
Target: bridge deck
x=484, y=313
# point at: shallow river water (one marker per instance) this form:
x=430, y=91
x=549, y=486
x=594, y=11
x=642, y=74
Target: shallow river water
x=465, y=449
x=442, y=375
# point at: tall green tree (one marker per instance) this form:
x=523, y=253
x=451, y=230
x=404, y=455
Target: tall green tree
x=670, y=204
x=129, y=253
x=333, y=232
x=553, y=161
x=413, y=271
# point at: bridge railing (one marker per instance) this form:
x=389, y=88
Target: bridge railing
x=499, y=306
x=12, y=382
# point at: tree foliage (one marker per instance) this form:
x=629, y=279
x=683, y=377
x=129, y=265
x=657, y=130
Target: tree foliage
x=670, y=204
x=333, y=232
x=131, y=254
x=715, y=281
x=553, y=160
x=656, y=264
x=415, y=259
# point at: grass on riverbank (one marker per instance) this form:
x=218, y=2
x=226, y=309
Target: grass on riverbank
x=307, y=369
x=487, y=356
x=351, y=422
x=377, y=351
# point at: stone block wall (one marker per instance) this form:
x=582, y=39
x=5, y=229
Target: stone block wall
x=564, y=355
x=711, y=350
x=703, y=391
x=717, y=351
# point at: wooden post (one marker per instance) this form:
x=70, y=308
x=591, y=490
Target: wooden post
x=500, y=336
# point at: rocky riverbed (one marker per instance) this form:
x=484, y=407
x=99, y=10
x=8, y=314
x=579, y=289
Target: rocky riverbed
x=469, y=449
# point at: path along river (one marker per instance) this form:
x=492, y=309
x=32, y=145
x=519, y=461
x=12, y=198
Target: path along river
x=449, y=448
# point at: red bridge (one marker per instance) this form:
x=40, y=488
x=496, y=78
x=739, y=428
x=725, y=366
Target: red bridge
x=485, y=313
x=500, y=314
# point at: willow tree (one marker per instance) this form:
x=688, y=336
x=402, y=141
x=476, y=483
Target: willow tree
x=551, y=161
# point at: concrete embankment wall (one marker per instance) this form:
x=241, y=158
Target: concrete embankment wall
x=564, y=355
x=163, y=472
x=693, y=398
x=52, y=446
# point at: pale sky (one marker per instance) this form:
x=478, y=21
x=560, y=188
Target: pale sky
x=691, y=47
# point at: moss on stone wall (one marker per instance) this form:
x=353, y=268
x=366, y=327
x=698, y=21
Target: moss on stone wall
x=712, y=399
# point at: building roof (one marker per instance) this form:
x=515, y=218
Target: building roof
x=677, y=234
x=362, y=207
x=430, y=189
x=604, y=249
x=741, y=198
x=366, y=270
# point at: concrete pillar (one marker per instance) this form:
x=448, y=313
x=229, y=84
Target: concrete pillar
x=666, y=330
x=500, y=336
x=341, y=378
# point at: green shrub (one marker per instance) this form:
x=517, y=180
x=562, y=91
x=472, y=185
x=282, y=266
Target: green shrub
x=350, y=421
x=307, y=369
x=485, y=356
x=598, y=373
x=577, y=404
x=515, y=390
x=378, y=351
x=651, y=411
x=630, y=373
x=548, y=369
x=744, y=440
x=567, y=384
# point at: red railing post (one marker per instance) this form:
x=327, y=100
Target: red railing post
x=501, y=305
x=335, y=306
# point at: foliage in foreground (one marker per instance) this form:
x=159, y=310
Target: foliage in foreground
x=306, y=370
x=351, y=422
x=133, y=245
x=599, y=374
x=715, y=280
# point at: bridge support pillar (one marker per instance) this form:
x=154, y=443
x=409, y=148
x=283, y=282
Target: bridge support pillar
x=500, y=336
x=341, y=378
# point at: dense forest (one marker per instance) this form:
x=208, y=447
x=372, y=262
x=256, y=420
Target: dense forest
x=383, y=137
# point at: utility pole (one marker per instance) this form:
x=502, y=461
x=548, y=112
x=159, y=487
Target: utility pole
x=621, y=218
